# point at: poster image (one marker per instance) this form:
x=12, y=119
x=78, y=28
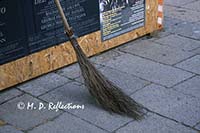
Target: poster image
x=120, y=16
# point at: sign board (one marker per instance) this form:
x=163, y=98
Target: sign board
x=28, y=26
x=45, y=27
x=120, y=16
x=83, y=16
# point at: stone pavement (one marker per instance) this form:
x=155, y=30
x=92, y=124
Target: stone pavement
x=162, y=72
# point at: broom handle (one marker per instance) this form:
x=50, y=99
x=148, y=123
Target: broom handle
x=68, y=29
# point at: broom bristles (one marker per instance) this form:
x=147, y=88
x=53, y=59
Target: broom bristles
x=109, y=96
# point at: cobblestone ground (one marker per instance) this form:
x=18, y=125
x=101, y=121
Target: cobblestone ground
x=162, y=72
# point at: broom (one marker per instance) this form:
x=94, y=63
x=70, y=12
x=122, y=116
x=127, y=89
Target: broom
x=109, y=96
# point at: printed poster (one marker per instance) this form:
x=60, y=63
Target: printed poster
x=120, y=16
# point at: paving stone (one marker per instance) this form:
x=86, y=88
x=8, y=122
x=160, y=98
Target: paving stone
x=24, y=119
x=191, y=87
x=66, y=123
x=193, y=6
x=177, y=2
x=157, y=52
x=197, y=51
x=156, y=35
x=155, y=124
x=178, y=42
x=128, y=83
x=190, y=30
x=192, y=64
x=149, y=70
x=72, y=71
x=170, y=103
x=170, y=23
x=43, y=84
x=182, y=14
x=9, y=94
x=75, y=94
x=150, y=37
x=103, y=57
x=198, y=127
x=72, y=92
x=102, y=118
x=9, y=129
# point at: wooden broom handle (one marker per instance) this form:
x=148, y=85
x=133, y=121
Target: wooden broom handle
x=68, y=29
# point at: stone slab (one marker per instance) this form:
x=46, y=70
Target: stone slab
x=197, y=51
x=170, y=24
x=177, y=2
x=190, y=87
x=172, y=104
x=192, y=64
x=127, y=82
x=72, y=71
x=9, y=94
x=43, y=84
x=182, y=14
x=149, y=70
x=197, y=127
x=106, y=56
x=155, y=124
x=179, y=43
x=187, y=29
x=9, y=129
x=159, y=53
x=24, y=119
x=193, y=6
x=72, y=93
x=66, y=123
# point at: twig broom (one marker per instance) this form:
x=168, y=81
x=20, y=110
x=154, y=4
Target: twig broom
x=109, y=96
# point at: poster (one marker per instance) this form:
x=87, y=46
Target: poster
x=120, y=16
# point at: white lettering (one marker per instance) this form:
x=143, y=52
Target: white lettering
x=2, y=10
x=41, y=106
x=30, y=106
x=36, y=2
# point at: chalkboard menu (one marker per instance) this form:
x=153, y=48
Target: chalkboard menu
x=12, y=32
x=28, y=26
x=45, y=26
x=40, y=24
x=83, y=16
